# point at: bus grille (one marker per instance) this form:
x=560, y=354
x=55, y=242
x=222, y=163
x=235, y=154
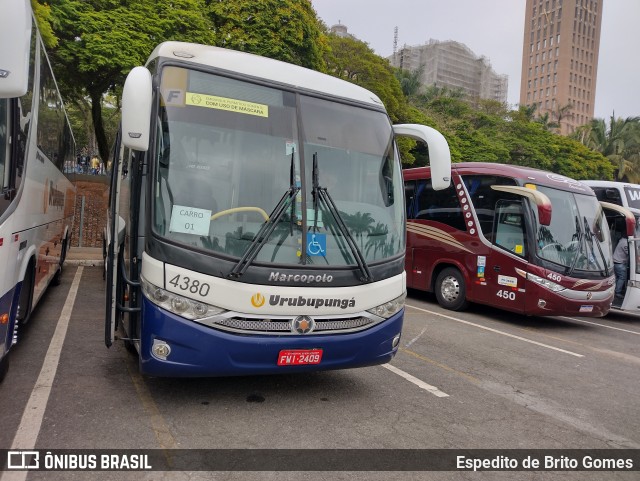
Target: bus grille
x=283, y=326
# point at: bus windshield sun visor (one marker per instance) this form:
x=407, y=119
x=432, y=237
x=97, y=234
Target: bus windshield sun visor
x=268, y=227
x=321, y=194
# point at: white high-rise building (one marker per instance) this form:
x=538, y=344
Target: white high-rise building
x=453, y=65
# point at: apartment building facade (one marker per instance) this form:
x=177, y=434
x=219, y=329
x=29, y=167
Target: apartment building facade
x=560, y=59
x=453, y=65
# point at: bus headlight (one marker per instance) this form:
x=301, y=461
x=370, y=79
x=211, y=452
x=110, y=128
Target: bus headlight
x=182, y=306
x=389, y=308
x=546, y=283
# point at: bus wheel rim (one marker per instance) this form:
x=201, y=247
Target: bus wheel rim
x=450, y=288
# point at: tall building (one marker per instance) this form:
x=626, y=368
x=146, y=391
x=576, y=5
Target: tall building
x=560, y=59
x=340, y=30
x=453, y=65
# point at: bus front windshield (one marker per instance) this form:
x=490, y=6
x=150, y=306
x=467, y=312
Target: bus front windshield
x=228, y=152
x=578, y=237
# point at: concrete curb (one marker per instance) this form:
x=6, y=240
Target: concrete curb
x=84, y=262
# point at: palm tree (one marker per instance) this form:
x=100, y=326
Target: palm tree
x=410, y=80
x=433, y=92
x=563, y=112
x=546, y=122
x=618, y=141
x=525, y=113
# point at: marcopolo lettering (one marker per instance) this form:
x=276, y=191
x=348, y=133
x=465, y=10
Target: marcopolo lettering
x=304, y=278
x=310, y=302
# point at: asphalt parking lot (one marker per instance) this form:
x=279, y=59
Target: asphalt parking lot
x=480, y=379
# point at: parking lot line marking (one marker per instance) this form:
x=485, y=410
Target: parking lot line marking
x=31, y=422
x=162, y=432
x=418, y=382
x=440, y=365
x=408, y=344
x=496, y=331
x=602, y=325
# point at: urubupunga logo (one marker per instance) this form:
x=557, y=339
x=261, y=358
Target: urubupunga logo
x=317, y=303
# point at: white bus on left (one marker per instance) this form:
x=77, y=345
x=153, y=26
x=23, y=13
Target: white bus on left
x=36, y=198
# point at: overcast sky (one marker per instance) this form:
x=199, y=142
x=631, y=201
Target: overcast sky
x=495, y=29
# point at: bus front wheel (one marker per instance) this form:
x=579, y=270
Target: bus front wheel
x=450, y=289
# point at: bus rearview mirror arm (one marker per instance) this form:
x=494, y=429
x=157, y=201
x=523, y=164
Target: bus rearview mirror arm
x=439, y=154
x=541, y=201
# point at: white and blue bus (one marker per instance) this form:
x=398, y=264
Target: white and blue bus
x=36, y=199
x=257, y=210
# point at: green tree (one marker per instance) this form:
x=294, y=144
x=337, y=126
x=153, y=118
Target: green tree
x=562, y=112
x=99, y=41
x=525, y=113
x=354, y=61
x=546, y=122
x=410, y=80
x=618, y=141
x=432, y=93
x=285, y=30
x=42, y=13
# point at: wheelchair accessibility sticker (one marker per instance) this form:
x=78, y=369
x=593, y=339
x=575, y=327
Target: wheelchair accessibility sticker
x=316, y=244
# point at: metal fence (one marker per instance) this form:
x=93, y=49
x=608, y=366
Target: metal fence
x=90, y=210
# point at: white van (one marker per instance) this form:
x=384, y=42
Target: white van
x=625, y=195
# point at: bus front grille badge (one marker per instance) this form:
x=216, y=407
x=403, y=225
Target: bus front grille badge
x=303, y=325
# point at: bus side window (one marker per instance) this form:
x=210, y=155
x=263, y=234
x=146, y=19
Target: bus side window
x=509, y=227
x=409, y=195
x=608, y=194
x=442, y=206
x=484, y=199
x=4, y=142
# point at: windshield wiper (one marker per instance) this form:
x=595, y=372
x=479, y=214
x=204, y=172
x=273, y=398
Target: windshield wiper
x=320, y=194
x=591, y=236
x=268, y=227
x=570, y=269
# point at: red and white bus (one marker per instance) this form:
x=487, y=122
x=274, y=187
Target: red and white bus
x=516, y=238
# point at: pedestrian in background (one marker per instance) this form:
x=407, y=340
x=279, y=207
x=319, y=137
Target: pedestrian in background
x=620, y=266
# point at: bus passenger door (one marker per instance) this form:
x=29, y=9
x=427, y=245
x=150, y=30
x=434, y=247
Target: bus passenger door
x=623, y=223
x=114, y=238
x=134, y=134
x=505, y=288
x=632, y=296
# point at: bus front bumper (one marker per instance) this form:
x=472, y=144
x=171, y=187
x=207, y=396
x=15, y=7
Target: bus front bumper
x=542, y=302
x=201, y=351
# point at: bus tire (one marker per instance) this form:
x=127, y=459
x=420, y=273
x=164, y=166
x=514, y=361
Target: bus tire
x=4, y=366
x=57, y=278
x=450, y=289
x=25, y=301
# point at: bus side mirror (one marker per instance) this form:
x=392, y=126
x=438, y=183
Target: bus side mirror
x=15, y=38
x=439, y=154
x=136, y=109
x=612, y=194
x=629, y=218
